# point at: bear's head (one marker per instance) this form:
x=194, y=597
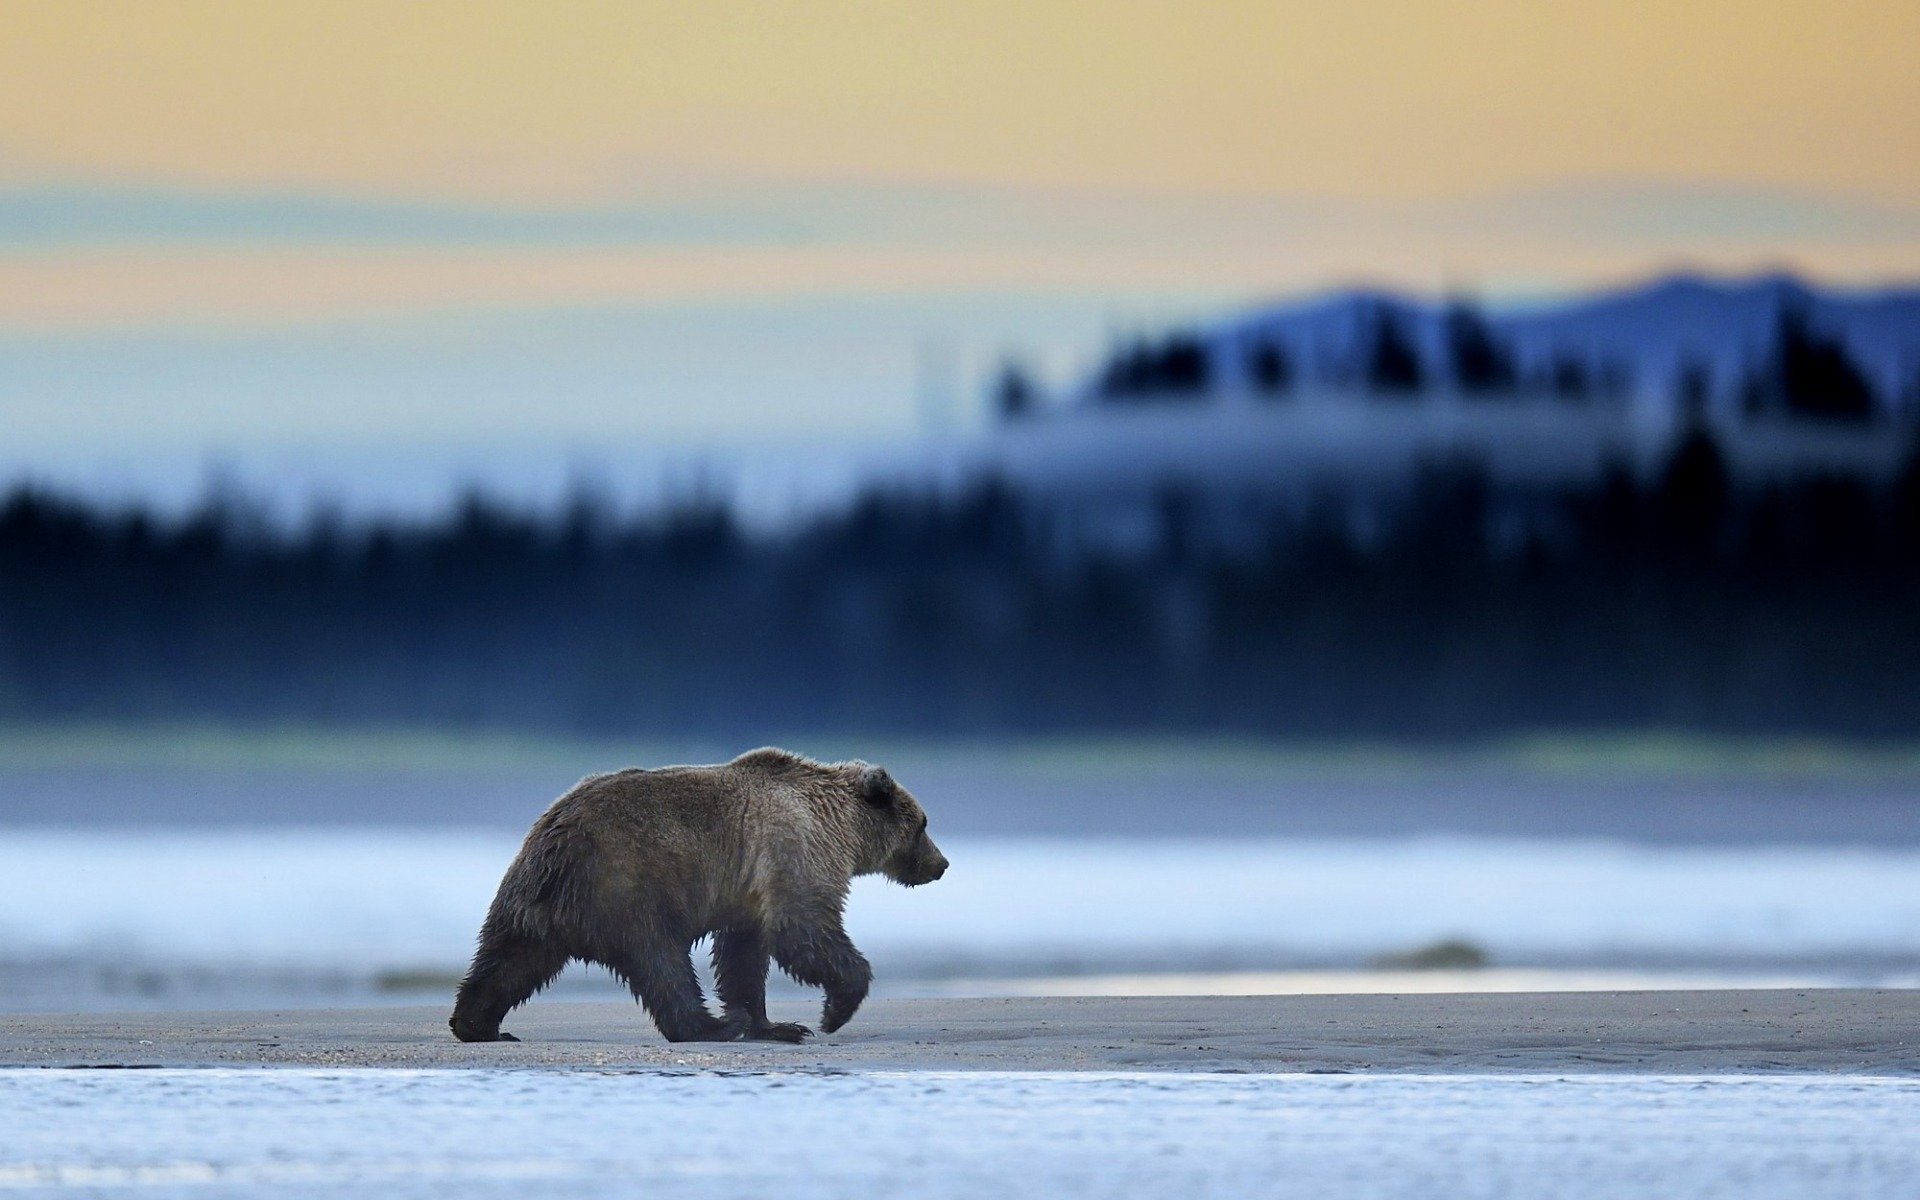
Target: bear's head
x=896, y=830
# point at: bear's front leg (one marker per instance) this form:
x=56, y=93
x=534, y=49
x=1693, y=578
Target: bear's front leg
x=825, y=957
x=740, y=976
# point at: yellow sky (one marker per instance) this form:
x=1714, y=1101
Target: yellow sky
x=587, y=102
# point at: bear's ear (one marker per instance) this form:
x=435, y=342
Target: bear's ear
x=876, y=787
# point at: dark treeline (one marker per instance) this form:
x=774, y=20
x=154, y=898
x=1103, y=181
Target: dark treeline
x=1805, y=372
x=1682, y=602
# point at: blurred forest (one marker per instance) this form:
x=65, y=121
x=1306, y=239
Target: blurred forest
x=1680, y=601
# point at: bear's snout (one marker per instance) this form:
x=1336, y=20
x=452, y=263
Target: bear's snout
x=925, y=871
x=919, y=863
x=929, y=864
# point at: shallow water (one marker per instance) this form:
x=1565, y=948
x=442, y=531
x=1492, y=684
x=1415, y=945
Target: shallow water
x=235, y=918
x=326, y=1133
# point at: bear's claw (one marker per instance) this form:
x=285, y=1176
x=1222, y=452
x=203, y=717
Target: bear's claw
x=781, y=1031
x=471, y=1031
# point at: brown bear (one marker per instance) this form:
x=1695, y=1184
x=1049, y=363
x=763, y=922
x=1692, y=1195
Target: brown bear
x=631, y=869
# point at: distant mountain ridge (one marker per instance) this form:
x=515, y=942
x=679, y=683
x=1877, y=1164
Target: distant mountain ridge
x=1362, y=392
x=1655, y=330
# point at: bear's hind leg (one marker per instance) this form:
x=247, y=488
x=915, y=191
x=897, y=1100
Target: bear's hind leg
x=740, y=976
x=507, y=968
x=662, y=979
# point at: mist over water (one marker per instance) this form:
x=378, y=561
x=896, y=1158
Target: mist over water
x=251, y=918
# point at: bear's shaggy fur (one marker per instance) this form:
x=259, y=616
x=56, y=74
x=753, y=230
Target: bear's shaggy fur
x=631, y=869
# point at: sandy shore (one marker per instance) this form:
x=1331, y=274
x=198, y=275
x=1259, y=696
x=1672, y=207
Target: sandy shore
x=1705, y=1032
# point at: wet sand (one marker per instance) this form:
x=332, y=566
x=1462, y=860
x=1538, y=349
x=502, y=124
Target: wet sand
x=1862, y=1031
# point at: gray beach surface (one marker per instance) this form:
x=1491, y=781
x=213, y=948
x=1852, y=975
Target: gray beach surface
x=1854, y=1031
